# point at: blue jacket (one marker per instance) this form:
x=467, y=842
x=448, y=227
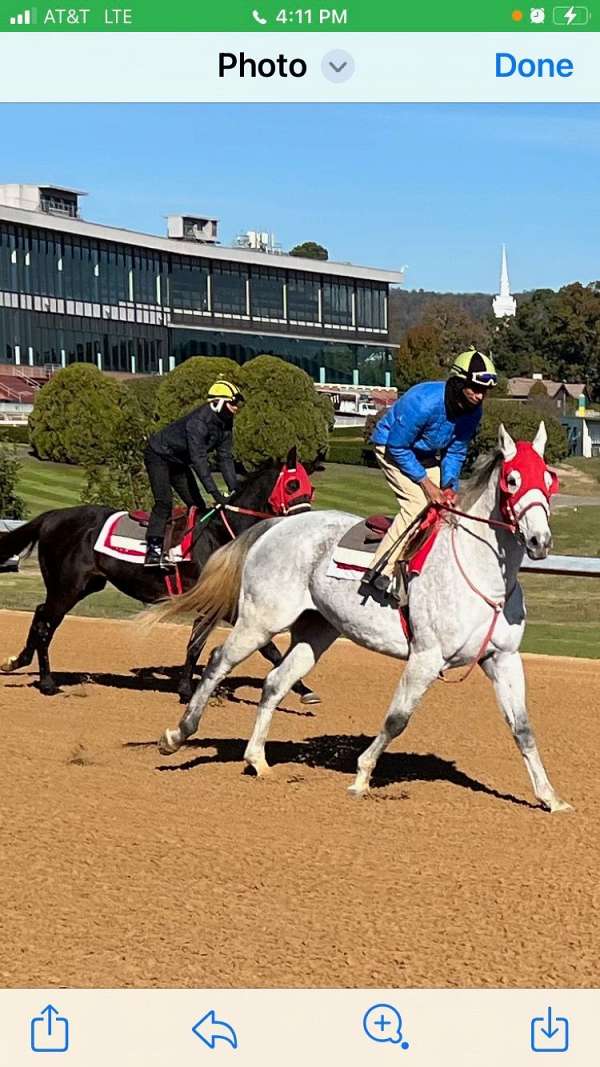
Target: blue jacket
x=418, y=433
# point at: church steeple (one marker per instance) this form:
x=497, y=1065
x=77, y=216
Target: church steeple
x=504, y=304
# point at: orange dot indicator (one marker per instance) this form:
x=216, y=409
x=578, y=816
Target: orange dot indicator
x=517, y=16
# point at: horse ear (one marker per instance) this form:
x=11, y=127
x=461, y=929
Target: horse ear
x=292, y=458
x=505, y=443
x=539, y=441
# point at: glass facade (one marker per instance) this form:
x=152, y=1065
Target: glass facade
x=229, y=289
x=303, y=298
x=67, y=297
x=338, y=359
x=30, y=338
x=267, y=294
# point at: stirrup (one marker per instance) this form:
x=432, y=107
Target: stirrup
x=154, y=553
x=376, y=579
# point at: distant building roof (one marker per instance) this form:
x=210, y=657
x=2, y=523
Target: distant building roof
x=520, y=388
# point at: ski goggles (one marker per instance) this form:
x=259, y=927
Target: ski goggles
x=482, y=377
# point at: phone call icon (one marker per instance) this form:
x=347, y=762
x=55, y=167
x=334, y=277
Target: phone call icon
x=256, y=15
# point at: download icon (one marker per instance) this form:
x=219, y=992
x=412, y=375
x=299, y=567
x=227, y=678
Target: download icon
x=549, y=1033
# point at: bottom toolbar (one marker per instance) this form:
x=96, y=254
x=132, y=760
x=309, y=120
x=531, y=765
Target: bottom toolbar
x=459, y=1028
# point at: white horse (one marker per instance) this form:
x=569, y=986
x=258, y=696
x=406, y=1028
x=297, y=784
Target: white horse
x=466, y=606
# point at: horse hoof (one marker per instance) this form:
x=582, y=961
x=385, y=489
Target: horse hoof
x=559, y=805
x=167, y=744
x=49, y=689
x=310, y=698
x=259, y=770
x=9, y=664
x=357, y=791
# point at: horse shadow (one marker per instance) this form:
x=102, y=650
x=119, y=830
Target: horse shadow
x=160, y=679
x=338, y=753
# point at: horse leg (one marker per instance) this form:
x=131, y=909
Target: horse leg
x=311, y=637
x=186, y=681
x=421, y=670
x=241, y=643
x=14, y=663
x=274, y=656
x=505, y=671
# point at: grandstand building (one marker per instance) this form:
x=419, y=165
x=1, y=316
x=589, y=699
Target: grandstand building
x=74, y=291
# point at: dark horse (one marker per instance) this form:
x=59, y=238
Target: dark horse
x=72, y=570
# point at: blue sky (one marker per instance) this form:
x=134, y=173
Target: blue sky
x=435, y=187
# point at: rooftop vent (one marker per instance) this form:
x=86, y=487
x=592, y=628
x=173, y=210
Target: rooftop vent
x=258, y=241
x=51, y=199
x=193, y=228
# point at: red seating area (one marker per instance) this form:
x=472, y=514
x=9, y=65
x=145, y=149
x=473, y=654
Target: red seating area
x=17, y=390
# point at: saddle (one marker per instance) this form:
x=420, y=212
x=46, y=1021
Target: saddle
x=123, y=536
x=176, y=527
x=354, y=552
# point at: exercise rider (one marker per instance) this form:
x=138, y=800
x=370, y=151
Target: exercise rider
x=179, y=451
x=421, y=445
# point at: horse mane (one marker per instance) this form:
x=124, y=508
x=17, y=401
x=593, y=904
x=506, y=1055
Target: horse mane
x=477, y=482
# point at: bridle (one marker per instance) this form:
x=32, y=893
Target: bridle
x=512, y=518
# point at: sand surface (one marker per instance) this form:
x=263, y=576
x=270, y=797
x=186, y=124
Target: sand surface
x=119, y=867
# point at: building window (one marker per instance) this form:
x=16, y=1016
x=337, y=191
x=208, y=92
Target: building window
x=57, y=203
x=370, y=306
x=188, y=286
x=229, y=290
x=266, y=293
x=337, y=303
x=303, y=298
x=146, y=269
x=113, y=274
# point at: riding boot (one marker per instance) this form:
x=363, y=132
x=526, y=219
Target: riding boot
x=154, y=552
x=398, y=587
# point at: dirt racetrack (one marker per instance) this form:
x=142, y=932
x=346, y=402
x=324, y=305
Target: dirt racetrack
x=120, y=867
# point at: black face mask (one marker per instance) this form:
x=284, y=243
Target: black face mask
x=454, y=398
x=226, y=416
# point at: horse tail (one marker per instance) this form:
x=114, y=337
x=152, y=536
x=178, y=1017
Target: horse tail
x=216, y=593
x=23, y=537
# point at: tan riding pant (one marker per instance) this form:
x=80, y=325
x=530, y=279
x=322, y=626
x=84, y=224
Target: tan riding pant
x=411, y=501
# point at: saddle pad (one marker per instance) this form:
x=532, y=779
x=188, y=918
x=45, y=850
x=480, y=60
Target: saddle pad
x=357, y=546
x=353, y=555
x=122, y=537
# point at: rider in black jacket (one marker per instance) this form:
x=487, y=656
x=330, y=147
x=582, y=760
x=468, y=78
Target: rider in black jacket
x=182, y=447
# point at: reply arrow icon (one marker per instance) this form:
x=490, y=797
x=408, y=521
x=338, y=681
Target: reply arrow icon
x=210, y=1030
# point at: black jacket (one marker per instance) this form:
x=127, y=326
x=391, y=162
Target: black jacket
x=189, y=440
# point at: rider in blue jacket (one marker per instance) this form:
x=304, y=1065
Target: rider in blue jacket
x=421, y=445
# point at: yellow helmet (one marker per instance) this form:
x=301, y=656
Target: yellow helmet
x=474, y=368
x=223, y=390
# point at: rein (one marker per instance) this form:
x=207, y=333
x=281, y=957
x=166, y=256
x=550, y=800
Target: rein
x=496, y=605
x=510, y=526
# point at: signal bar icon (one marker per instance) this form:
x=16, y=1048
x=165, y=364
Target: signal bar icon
x=25, y=18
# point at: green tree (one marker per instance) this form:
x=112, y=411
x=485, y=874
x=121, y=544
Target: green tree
x=118, y=478
x=144, y=390
x=75, y=415
x=419, y=357
x=555, y=333
x=325, y=403
x=187, y=386
x=458, y=329
x=310, y=250
x=12, y=506
x=522, y=422
x=282, y=409
x=426, y=351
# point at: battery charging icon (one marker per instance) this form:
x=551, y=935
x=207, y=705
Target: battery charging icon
x=573, y=15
